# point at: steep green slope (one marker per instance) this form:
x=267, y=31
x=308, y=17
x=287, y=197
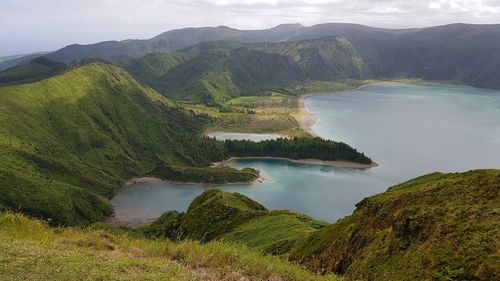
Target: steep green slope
x=232, y=217
x=217, y=75
x=152, y=66
x=29, y=250
x=435, y=227
x=327, y=59
x=73, y=138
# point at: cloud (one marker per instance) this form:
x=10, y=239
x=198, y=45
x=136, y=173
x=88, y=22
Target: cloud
x=30, y=25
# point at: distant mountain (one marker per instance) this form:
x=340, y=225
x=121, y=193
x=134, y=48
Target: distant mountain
x=169, y=41
x=11, y=61
x=212, y=72
x=346, y=30
x=182, y=38
x=37, y=69
x=212, y=65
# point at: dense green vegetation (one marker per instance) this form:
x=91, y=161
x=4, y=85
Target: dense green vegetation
x=234, y=218
x=219, y=175
x=296, y=148
x=30, y=250
x=435, y=227
x=217, y=75
x=152, y=66
x=68, y=142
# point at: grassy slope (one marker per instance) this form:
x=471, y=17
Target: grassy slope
x=29, y=250
x=217, y=75
x=234, y=218
x=275, y=233
x=152, y=66
x=66, y=140
x=439, y=226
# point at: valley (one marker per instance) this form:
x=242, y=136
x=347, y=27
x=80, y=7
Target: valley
x=405, y=113
x=328, y=152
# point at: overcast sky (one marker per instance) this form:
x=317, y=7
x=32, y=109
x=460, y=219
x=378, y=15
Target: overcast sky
x=37, y=25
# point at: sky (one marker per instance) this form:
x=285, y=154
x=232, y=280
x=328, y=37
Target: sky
x=44, y=25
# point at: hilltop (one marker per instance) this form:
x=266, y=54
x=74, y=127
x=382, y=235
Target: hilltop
x=69, y=141
x=435, y=227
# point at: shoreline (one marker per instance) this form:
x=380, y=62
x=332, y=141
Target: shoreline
x=307, y=119
x=154, y=180
x=340, y=164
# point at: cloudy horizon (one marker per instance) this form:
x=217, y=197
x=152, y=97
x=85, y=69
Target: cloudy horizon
x=29, y=25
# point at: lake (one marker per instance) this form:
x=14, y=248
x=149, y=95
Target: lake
x=409, y=130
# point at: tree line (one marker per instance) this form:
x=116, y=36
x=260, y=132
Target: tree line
x=203, y=151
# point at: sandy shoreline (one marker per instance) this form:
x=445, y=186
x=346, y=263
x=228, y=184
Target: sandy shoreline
x=153, y=180
x=341, y=164
x=307, y=119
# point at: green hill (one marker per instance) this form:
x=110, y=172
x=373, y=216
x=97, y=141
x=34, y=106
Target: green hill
x=217, y=75
x=30, y=250
x=73, y=138
x=435, y=227
x=234, y=218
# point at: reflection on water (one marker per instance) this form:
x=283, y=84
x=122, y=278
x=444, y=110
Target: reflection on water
x=408, y=129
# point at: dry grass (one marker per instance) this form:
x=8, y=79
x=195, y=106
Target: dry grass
x=30, y=250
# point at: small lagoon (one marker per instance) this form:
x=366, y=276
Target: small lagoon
x=409, y=130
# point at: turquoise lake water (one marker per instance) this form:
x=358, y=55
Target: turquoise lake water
x=409, y=130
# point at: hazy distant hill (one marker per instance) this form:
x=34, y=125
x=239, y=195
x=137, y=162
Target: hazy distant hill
x=211, y=65
x=11, y=61
x=182, y=38
x=169, y=41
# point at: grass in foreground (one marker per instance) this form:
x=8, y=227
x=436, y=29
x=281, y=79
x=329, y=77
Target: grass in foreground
x=30, y=250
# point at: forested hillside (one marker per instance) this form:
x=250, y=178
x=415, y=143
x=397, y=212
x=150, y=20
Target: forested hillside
x=68, y=142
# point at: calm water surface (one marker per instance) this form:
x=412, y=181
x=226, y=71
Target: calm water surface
x=409, y=130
